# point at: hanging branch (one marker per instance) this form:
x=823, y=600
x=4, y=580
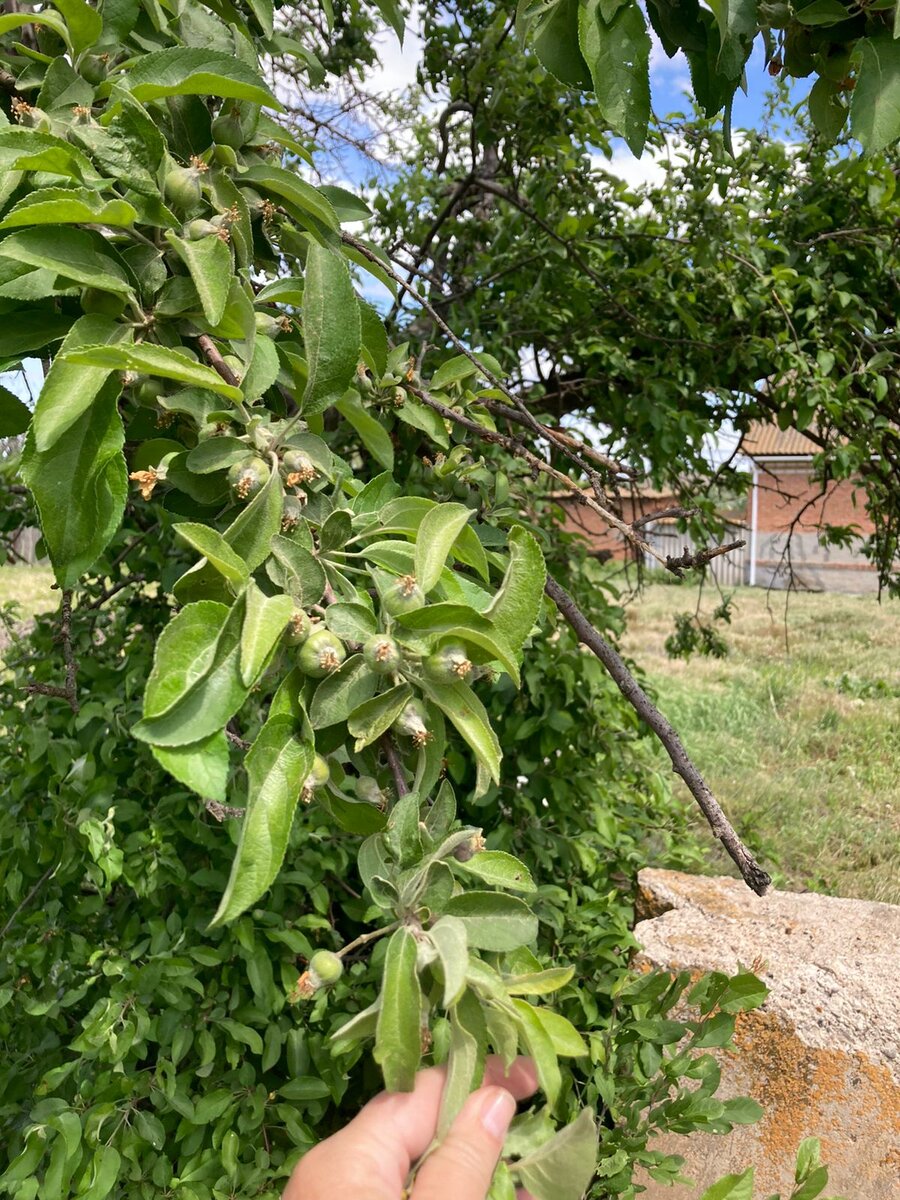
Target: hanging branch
x=753, y=874
x=69, y=693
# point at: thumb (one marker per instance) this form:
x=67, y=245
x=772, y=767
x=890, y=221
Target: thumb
x=463, y=1164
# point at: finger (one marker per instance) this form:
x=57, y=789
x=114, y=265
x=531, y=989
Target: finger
x=464, y=1162
x=372, y=1155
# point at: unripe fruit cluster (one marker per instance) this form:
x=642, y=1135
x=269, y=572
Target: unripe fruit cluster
x=321, y=654
x=248, y=477
x=403, y=596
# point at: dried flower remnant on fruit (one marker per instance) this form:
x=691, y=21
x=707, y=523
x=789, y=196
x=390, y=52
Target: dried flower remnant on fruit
x=299, y=467
x=304, y=989
x=469, y=849
x=146, y=481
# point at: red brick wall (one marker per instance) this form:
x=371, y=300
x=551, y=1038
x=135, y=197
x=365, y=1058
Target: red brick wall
x=784, y=489
x=585, y=521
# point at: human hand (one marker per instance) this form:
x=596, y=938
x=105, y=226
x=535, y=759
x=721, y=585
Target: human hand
x=370, y=1158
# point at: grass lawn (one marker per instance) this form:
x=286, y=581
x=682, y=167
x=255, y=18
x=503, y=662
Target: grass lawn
x=800, y=742
x=30, y=586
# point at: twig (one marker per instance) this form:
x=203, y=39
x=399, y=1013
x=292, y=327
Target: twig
x=390, y=753
x=216, y=361
x=236, y=739
x=538, y=464
x=516, y=401
x=27, y=900
x=700, y=558
x=112, y=591
x=675, y=511
x=753, y=874
x=222, y=811
x=365, y=938
x=69, y=693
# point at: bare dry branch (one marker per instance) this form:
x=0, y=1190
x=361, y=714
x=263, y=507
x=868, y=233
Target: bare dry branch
x=753, y=874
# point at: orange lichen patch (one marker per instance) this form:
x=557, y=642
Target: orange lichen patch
x=666, y=890
x=808, y=1091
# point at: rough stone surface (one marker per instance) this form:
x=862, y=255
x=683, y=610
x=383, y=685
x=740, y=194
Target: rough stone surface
x=822, y=1055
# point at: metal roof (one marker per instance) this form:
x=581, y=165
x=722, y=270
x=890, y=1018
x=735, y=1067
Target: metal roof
x=764, y=439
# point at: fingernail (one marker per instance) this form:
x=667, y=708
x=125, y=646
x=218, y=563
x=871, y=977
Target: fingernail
x=498, y=1109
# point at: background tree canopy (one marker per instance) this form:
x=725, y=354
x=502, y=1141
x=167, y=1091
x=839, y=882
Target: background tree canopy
x=303, y=552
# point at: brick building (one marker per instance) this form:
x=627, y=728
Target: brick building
x=787, y=504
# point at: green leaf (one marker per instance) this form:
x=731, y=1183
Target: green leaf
x=69, y=389
x=448, y=936
x=398, y=1034
x=567, y=1041
x=499, y=869
x=64, y=206
x=515, y=608
x=371, y=432
x=150, y=1128
x=265, y=620
x=301, y=198
x=216, y=551
x=79, y=486
x=374, y=338
x=84, y=23
x=253, y=531
x=461, y=621
x=186, y=71
x=306, y=1088
x=829, y=114
x=352, y=622
x=79, y=254
x=12, y=21
x=277, y=764
x=209, y=261
x=743, y=1111
x=216, y=454
x=28, y=150
x=202, y=766
x=539, y=1045
x=159, y=361
x=342, y=692
x=494, y=921
x=458, y=702
x=184, y=653
x=732, y=1187
x=348, y=206
x=813, y=1186
x=241, y=1033
x=331, y=329
x=32, y=330
x=15, y=416
x=207, y=704
x=809, y=1157
x=303, y=574
x=556, y=43
x=375, y=494
x=538, y=983
x=437, y=533
x=875, y=107
x=619, y=59
x=465, y=1062
x=104, y=1173
x=394, y=15
x=561, y=1168
x=744, y=992
x=373, y=718
x=821, y=12
x=402, y=836
x=263, y=369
